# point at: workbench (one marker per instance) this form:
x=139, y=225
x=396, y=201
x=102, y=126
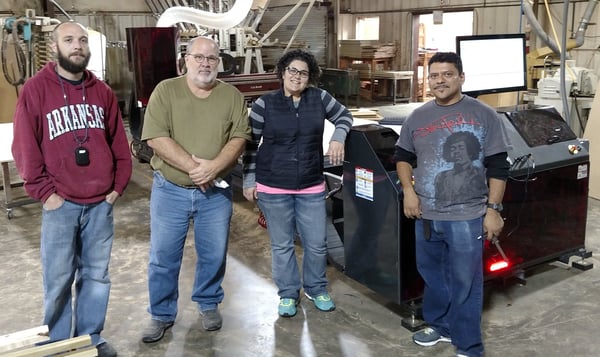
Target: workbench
x=6, y=158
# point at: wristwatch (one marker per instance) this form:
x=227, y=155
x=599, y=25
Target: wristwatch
x=496, y=206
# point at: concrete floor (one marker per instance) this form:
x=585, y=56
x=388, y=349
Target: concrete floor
x=555, y=314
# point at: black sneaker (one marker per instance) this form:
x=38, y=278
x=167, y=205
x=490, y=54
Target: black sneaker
x=155, y=330
x=429, y=337
x=211, y=319
x=106, y=350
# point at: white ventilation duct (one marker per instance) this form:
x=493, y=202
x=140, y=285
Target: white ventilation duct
x=226, y=20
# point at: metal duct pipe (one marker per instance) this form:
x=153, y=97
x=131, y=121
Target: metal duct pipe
x=528, y=11
x=563, y=68
x=585, y=19
x=225, y=20
x=61, y=10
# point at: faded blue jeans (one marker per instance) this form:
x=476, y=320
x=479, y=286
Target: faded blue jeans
x=286, y=214
x=172, y=208
x=450, y=263
x=76, y=245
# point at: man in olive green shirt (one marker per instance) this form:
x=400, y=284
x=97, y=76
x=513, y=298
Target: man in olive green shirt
x=197, y=127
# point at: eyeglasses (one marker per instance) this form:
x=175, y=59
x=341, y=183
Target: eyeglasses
x=294, y=71
x=212, y=60
x=446, y=75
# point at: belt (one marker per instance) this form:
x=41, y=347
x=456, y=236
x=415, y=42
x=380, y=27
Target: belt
x=188, y=187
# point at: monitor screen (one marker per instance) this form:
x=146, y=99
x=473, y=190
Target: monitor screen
x=492, y=63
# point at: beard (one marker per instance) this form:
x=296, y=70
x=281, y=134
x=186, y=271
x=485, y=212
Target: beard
x=204, y=80
x=72, y=67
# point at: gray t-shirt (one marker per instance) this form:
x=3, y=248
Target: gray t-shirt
x=450, y=143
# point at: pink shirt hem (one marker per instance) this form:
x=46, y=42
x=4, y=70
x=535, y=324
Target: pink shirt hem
x=282, y=191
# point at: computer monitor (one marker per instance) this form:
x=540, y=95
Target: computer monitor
x=492, y=63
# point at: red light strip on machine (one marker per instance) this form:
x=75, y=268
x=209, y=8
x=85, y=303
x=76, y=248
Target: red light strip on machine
x=499, y=265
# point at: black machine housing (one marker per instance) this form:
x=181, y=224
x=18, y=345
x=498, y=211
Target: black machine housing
x=545, y=205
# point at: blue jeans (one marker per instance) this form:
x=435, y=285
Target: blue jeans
x=450, y=263
x=305, y=213
x=172, y=208
x=75, y=247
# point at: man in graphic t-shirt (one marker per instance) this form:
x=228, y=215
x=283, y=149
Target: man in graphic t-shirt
x=455, y=147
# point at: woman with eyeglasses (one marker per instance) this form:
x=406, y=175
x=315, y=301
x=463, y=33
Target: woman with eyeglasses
x=285, y=175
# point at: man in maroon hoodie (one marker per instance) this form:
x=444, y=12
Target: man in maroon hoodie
x=72, y=152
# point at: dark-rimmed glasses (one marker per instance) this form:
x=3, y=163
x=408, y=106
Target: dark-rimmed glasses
x=212, y=60
x=294, y=71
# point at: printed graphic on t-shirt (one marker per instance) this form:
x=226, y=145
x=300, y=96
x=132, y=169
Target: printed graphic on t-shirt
x=451, y=172
x=461, y=149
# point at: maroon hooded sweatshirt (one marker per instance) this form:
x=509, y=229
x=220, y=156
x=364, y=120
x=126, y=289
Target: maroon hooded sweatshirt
x=51, y=118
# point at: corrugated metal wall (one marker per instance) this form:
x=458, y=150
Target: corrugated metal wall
x=313, y=32
x=74, y=6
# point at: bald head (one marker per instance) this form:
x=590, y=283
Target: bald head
x=204, y=43
x=68, y=26
x=72, y=50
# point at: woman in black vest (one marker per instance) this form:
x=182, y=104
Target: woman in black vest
x=285, y=175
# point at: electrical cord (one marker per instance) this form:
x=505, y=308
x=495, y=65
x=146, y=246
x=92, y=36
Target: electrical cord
x=520, y=161
x=19, y=56
x=581, y=124
x=521, y=205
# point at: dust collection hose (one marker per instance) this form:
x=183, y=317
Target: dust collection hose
x=226, y=20
x=19, y=55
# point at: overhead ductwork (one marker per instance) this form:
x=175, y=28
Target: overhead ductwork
x=225, y=20
x=579, y=35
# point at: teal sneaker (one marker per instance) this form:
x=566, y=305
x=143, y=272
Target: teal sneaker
x=322, y=302
x=287, y=307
